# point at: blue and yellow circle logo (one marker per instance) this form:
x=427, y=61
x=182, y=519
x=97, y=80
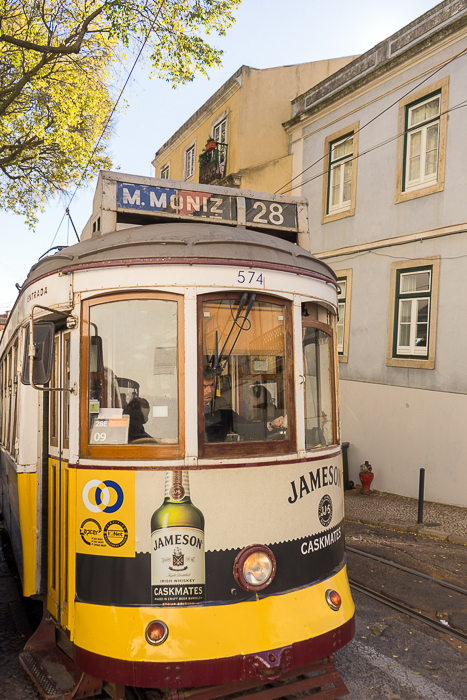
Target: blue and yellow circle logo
x=102, y=496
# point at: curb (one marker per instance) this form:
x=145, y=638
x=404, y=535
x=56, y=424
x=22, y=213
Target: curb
x=413, y=529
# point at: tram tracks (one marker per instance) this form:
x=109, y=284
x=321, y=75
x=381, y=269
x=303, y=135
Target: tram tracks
x=386, y=599
x=445, y=584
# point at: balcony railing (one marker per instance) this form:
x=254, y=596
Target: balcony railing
x=213, y=164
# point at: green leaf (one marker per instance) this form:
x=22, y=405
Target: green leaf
x=60, y=76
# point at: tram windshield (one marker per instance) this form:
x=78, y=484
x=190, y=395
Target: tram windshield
x=133, y=372
x=245, y=387
x=319, y=389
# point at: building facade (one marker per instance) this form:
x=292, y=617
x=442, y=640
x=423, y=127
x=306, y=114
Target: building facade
x=244, y=120
x=379, y=149
x=3, y=320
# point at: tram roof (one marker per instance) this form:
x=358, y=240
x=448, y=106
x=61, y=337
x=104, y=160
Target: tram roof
x=181, y=242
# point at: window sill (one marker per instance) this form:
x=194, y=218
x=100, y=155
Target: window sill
x=411, y=362
x=338, y=215
x=421, y=191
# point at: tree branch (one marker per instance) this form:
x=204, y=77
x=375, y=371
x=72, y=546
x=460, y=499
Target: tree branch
x=64, y=48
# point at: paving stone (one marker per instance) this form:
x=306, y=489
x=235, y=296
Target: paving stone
x=14, y=682
x=440, y=521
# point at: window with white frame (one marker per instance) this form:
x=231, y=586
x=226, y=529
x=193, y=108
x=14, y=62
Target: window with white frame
x=422, y=142
x=413, y=301
x=421, y=148
x=341, y=309
x=344, y=293
x=220, y=136
x=340, y=174
x=165, y=172
x=189, y=161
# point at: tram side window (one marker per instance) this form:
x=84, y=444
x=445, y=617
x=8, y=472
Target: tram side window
x=4, y=399
x=54, y=397
x=7, y=365
x=133, y=372
x=14, y=395
x=8, y=394
x=246, y=375
x=319, y=386
x=66, y=395
x=60, y=401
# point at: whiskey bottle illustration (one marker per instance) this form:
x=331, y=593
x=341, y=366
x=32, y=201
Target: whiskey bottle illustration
x=177, y=546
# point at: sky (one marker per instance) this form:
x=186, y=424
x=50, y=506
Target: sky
x=267, y=33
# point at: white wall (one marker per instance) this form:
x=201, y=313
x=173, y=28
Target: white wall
x=399, y=430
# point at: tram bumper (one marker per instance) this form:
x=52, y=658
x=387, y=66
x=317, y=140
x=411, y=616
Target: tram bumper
x=262, y=667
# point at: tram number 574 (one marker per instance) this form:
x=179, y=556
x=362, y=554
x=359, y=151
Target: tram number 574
x=253, y=277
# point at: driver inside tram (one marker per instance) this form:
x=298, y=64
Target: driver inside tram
x=220, y=419
x=138, y=411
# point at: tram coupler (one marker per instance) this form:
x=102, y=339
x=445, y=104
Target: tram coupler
x=320, y=678
x=268, y=665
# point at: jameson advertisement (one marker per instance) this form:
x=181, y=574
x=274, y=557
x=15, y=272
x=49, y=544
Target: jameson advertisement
x=177, y=546
x=170, y=538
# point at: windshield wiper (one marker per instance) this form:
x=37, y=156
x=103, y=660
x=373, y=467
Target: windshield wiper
x=219, y=363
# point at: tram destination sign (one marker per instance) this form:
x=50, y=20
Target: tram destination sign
x=168, y=200
x=207, y=206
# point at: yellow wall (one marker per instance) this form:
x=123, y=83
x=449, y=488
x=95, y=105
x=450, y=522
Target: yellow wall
x=256, y=102
x=266, y=96
x=269, y=176
x=199, y=131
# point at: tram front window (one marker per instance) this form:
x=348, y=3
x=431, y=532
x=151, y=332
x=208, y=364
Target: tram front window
x=319, y=388
x=133, y=372
x=245, y=381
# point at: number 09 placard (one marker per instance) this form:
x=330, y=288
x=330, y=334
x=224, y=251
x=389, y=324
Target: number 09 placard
x=110, y=431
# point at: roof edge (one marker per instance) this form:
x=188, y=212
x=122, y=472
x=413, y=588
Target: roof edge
x=445, y=18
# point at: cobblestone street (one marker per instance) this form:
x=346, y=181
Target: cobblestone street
x=14, y=630
x=389, y=510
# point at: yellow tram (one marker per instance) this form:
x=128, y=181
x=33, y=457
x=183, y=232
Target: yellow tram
x=170, y=460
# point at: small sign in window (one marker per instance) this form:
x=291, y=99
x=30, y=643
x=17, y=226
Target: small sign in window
x=110, y=431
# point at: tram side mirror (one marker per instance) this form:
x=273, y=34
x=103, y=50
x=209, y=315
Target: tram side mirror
x=44, y=344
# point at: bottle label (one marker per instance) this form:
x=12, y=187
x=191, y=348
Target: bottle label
x=177, y=566
x=177, y=485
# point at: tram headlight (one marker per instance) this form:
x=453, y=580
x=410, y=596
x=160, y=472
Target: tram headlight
x=156, y=632
x=333, y=599
x=255, y=567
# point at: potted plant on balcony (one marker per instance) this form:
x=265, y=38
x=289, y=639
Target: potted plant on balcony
x=211, y=144
x=204, y=158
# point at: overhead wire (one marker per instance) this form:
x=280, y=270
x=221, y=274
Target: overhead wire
x=393, y=104
x=112, y=111
x=360, y=253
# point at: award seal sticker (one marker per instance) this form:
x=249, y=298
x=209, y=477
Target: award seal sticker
x=90, y=532
x=115, y=533
x=325, y=510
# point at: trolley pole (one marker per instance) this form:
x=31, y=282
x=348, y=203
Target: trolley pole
x=421, y=490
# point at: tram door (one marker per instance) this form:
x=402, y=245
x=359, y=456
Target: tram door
x=58, y=481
